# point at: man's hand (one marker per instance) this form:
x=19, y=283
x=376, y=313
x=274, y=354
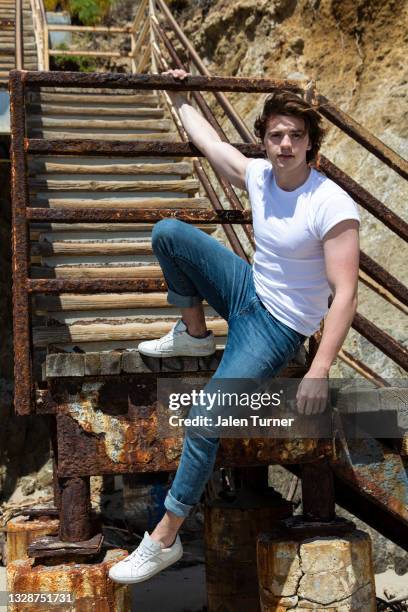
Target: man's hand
x=177, y=73
x=312, y=395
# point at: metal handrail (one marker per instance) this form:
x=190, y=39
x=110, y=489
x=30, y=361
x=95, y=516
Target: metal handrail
x=371, y=272
x=137, y=35
x=19, y=42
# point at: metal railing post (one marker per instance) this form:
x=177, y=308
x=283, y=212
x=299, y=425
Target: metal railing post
x=19, y=43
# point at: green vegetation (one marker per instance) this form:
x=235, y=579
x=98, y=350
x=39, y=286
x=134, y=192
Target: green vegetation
x=78, y=63
x=85, y=12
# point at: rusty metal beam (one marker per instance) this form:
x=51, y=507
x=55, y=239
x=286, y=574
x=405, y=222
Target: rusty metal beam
x=117, y=80
x=78, y=147
x=363, y=197
x=362, y=368
x=380, y=339
x=138, y=216
x=202, y=175
x=227, y=107
x=126, y=285
x=206, y=111
x=23, y=390
x=40, y=146
x=361, y=135
x=384, y=278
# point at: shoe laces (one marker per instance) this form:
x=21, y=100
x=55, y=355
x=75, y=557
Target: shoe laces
x=173, y=332
x=140, y=554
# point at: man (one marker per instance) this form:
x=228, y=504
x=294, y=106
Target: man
x=306, y=235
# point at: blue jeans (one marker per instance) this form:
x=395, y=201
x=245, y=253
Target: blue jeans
x=197, y=267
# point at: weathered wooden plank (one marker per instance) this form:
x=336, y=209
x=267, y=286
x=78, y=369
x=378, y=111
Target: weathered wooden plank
x=42, y=228
x=92, y=248
x=116, y=111
x=94, y=332
x=41, y=164
x=47, y=134
x=159, y=125
x=59, y=365
x=65, y=364
x=68, y=302
x=82, y=271
x=120, y=203
x=42, y=183
x=85, y=99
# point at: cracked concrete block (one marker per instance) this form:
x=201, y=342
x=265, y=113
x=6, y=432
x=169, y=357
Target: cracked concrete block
x=333, y=574
x=319, y=554
x=278, y=566
x=360, y=600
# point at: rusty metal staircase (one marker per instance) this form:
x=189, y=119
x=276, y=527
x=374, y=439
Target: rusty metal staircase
x=97, y=159
x=17, y=40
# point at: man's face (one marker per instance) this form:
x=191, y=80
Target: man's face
x=286, y=142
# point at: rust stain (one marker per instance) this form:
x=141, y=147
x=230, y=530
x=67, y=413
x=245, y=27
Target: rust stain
x=139, y=215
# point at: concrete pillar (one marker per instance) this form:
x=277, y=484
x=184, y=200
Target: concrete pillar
x=87, y=584
x=22, y=530
x=332, y=573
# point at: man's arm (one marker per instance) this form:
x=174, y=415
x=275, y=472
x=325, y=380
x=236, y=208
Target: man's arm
x=225, y=158
x=341, y=254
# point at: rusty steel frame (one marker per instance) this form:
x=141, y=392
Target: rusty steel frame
x=40, y=146
x=150, y=82
x=116, y=285
x=365, y=198
x=202, y=175
x=234, y=117
x=384, y=278
x=23, y=387
x=24, y=286
x=132, y=215
x=361, y=135
x=381, y=340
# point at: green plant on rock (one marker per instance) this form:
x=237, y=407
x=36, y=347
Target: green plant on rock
x=89, y=12
x=79, y=63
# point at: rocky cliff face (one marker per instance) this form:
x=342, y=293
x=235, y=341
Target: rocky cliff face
x=355, y=51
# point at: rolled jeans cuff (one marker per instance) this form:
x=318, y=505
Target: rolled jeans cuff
x=178, y=508
x=183, y=301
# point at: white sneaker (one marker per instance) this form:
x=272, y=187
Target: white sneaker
x=178, y=343
x=148, y=559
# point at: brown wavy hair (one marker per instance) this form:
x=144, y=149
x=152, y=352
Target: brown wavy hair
x=285, y=102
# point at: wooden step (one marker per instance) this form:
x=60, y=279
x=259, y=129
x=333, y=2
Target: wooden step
x=83, y=271
x=104, y=98
x=72, y=302
x=47, y=249
x=183, y=186
x=11, y=49
x=39, y=230
x=65, y=166
x=157, y=125
x=96, y=332
x=118, y=203
x=130, y=111
x=49, y=135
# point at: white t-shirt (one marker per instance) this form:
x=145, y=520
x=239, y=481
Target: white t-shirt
x=289, y=226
